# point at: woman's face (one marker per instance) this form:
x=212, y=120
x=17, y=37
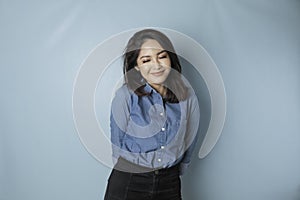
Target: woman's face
x=153, y=62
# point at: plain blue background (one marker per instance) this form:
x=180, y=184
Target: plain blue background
x=255, y=44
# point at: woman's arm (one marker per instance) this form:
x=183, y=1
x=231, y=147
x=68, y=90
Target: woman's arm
x=119, y=120
x=191, y=135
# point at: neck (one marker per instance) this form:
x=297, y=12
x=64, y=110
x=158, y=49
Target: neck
x=160, y=89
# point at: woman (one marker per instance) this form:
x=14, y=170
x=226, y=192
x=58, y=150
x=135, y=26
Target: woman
x=154, y=122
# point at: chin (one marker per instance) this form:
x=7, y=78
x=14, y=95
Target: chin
x=157, y=82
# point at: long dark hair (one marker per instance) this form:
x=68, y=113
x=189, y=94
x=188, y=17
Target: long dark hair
x=134, y=79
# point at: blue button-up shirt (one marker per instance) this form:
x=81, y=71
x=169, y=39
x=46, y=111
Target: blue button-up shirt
x=152, y=133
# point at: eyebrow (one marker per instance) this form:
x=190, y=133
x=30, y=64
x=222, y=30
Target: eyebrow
x=146, y=56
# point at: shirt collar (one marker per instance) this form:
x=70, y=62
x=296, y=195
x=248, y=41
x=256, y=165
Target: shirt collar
x=149, y=89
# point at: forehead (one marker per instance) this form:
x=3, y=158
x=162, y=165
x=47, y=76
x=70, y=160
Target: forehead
x=150, y=46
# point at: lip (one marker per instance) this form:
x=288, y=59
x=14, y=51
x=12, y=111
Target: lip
x=157, y=73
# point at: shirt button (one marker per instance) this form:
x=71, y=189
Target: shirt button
x=162, y=147
x=163, y=129
x=161, y=114
x=159, y=160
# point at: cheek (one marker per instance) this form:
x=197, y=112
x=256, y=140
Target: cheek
x=144, y=71
x=168, y=71
x=167, y=63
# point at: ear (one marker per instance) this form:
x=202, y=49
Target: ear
x=137, y=68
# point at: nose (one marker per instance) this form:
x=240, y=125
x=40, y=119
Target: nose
x=156, y=64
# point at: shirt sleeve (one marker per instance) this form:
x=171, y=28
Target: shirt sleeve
x=193, y=118
x=119, y=120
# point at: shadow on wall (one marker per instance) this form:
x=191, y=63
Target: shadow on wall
x=190, y=184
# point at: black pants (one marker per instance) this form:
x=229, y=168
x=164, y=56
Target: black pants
x=163, y=184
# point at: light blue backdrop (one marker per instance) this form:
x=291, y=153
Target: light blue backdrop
x=255, y=44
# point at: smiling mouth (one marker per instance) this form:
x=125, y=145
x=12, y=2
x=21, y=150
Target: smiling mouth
x=158, y=73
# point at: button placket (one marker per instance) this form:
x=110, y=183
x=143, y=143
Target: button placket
x=162, y=114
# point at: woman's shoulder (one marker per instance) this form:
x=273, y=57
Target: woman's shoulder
x=123, y=92
x=123, y=89
x=190, y=92
x=191, y=101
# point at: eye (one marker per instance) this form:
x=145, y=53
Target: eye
x=145, y=61
x=163, y=56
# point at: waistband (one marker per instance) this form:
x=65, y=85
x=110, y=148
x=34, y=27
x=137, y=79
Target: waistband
x=127, y=166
